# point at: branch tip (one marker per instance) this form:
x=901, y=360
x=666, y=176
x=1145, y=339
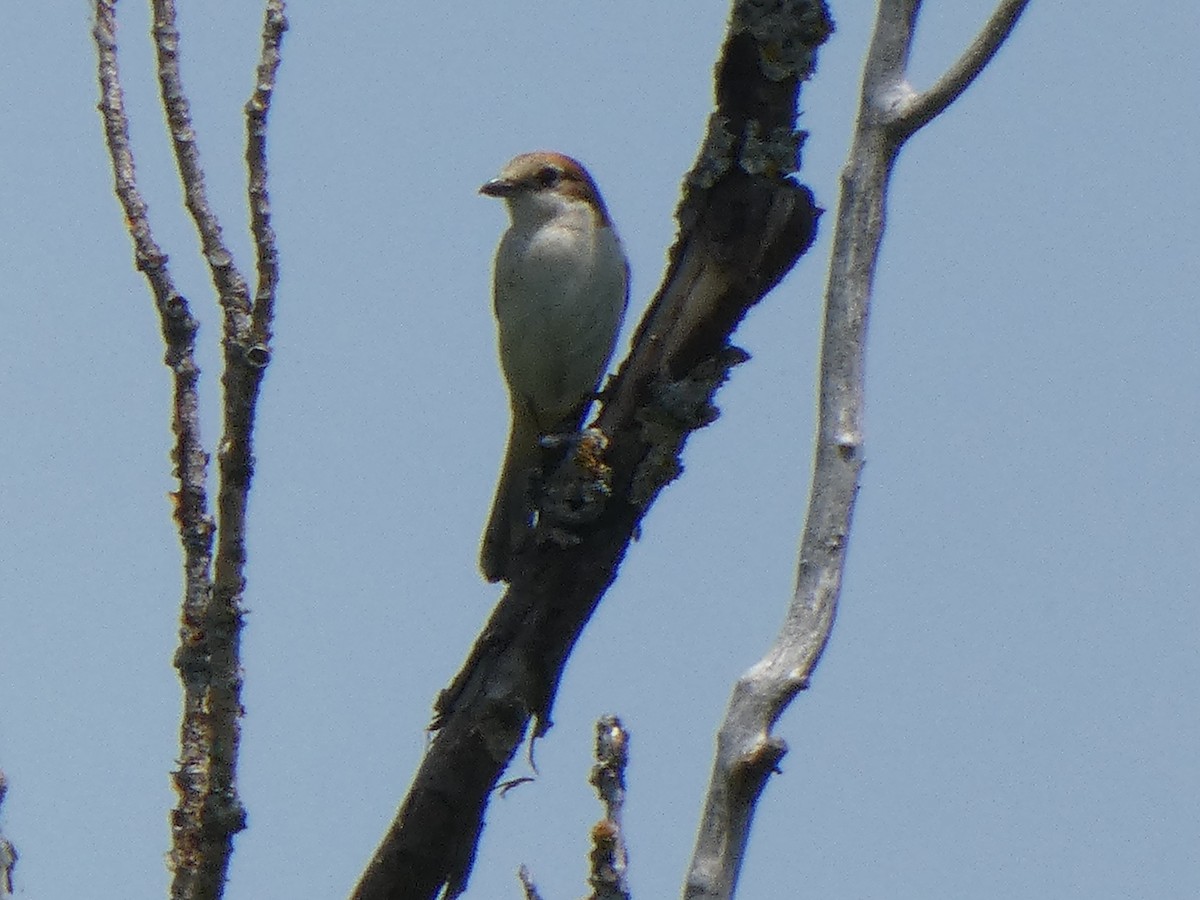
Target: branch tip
x=920, y=108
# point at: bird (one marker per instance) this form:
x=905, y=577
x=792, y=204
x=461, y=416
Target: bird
x=560, y=288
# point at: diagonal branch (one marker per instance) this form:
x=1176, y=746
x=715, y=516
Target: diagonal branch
x=747, y=752
x=923, y=107
x=743, y=224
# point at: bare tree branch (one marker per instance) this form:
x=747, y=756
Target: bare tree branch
x=743, y=224
x=230, y=285
x=747, y=752
x=257, y=108
x=178, y=326
x=208, y=660
x=923, y=107
x=190, y=461
x=609, y=857
x=527, y=885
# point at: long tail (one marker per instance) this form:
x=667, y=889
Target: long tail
x=512, y=514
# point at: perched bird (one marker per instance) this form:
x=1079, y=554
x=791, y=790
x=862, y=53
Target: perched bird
x=560, y=288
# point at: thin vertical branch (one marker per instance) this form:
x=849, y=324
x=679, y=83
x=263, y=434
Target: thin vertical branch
x=209, y=812
x=245, y=340
x=257, y=109
x=609, y=857
x=747, y=752
x=178, y=326
x=228, y=281
x=188, y=852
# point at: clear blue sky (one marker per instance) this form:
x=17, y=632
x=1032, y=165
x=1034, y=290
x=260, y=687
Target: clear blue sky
x=1008, y=706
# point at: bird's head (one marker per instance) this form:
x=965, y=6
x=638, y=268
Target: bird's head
x=539, y=186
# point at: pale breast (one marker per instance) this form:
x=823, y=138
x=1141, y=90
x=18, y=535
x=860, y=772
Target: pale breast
x=559, y=294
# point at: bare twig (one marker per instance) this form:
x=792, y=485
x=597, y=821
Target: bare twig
x=178, y=326
x=527, y=885
x=747, y=752
x=609, y=857
x=228, y=281
x=209, y=811
x=743, y=224
x=923, y=107
x=191, y=462
x=257, y=109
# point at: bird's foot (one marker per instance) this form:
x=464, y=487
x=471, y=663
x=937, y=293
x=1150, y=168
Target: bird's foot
x=575, y=493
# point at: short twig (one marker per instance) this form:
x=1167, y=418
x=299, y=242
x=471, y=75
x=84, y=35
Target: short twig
x=531, y=891
x=609, y=857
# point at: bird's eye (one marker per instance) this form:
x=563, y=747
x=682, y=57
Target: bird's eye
x=548, y=176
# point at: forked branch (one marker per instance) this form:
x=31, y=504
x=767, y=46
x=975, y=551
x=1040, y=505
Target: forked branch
x=747, y=752
x=924, y=106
